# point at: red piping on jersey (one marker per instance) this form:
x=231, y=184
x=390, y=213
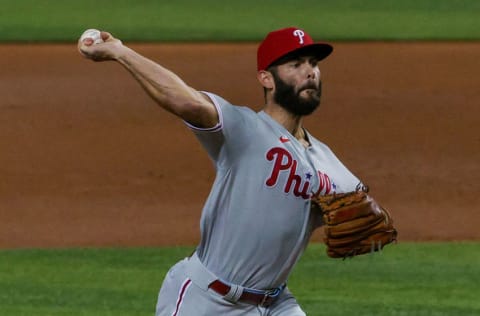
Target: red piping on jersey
x=181, y=295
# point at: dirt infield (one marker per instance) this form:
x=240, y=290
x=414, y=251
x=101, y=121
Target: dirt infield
x=87, y=159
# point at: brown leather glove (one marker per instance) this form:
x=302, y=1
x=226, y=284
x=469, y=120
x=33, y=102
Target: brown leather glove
x=354, y=223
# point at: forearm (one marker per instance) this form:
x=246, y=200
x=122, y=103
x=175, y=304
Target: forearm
x=167, y=89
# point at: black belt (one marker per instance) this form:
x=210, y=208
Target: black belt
x=260, y=298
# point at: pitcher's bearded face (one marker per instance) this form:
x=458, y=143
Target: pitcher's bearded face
x=301, y=100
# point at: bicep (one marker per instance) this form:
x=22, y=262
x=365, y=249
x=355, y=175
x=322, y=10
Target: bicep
x=198, y=111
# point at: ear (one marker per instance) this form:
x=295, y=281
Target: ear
x=266, y=79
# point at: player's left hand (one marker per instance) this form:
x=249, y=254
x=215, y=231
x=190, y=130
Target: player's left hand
x=354, y=223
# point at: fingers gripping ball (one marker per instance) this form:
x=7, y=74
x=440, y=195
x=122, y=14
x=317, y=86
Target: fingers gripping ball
x=94, y=34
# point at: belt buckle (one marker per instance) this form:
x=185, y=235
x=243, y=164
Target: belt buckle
x=268, y=297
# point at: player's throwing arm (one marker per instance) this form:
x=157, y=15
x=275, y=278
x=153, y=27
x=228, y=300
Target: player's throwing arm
x=165, y=87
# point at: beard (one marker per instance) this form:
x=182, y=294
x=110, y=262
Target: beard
x=290, y=99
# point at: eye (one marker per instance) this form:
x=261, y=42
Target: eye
x=296, y=63
x=313, y=62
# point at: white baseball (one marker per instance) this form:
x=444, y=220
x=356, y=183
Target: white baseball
x=93, y=34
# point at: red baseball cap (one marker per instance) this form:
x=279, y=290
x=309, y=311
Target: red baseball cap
x=285, y=41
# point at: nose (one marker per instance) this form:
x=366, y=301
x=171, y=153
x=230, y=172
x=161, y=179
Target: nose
x=313, y=72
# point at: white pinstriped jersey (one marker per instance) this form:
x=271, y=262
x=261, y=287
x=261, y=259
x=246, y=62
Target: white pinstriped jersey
x=256, y=221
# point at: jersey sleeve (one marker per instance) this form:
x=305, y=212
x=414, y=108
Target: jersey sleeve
x=236, y=126
x=344, y=178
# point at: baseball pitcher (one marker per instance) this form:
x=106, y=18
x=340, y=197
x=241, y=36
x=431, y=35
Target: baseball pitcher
x=270, y=174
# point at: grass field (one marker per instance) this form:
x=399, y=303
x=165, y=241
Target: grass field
x=406, y=279
x=246, y=20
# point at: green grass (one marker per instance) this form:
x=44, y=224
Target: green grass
x=246, y=20
x=83, y=281
x=406, y=279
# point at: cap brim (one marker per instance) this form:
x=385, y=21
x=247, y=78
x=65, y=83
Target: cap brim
x=319, y=50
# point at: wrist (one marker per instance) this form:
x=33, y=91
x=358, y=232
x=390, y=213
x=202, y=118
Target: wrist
x=122, y=54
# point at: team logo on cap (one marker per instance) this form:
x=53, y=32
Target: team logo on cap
x=300, y=35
